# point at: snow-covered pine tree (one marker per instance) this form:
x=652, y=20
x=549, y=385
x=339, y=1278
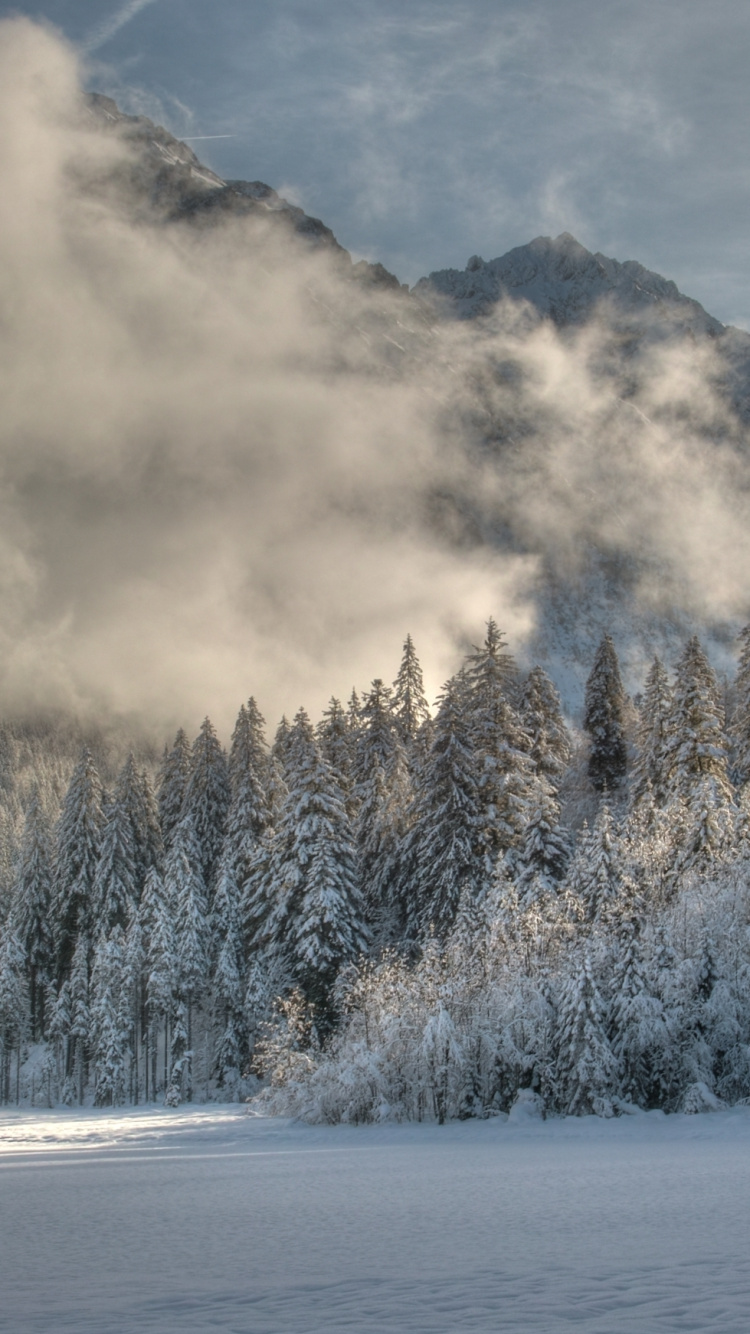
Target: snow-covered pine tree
x=500, y=745
x=378, y=733
x=132, y=1002
x=650, y=837
x=280, y=747
x=653, y=738
x=443, y=1057
x=383, y=794
x=541, y=858
x=708, y=828
x=249, y=815
x=586, y=1065
x=79, y=1030
x=739, y=730
x=697, y=757
x=698, y=746
x=638, y=1029
x=227, y=983
x=180, y=1057
x=354, y=715
x=185, y=888
x=172, y=782
x=337, y=746
x=258, y=899
x=137, y=796
x=115, y=889
x=317, y=918
x=30, y=910
x=109, y=1036
x=57, y=1010
x=78, y=846
x=443, y=852
x=14, y=1010
x=249, y=759
x=161, y=970
x=410, y=708
x=604, y=719
x=207, y=798
x=541, y=717
x=227, y=990
x=595, y=876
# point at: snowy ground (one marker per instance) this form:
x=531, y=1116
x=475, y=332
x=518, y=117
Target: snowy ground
x=211, y=1220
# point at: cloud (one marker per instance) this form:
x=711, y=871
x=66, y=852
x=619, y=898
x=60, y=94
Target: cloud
x=226, y=470
x=211, y=483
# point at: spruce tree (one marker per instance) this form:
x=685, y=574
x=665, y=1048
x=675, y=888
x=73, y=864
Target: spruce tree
x=604, y=720
x=383, y=793
x=207, y=798
x=542, y=721
x=227, y=989
x=79, y=1029
x=410, y=708
x=180, y=1057
x=138, y=797
x=595, y=875
x=78, y=847
x=172, y=783
x=697, y=753
x=14, y=1010
x=132, y=1000
x=280, y=747
x=186, y=889
x=500, y=745
x=30, y=911
x=228, y=996
x=108, y=1031
x=650, y=771
x=228, y=1004
x=443, y=855
x=542, y=856
x=740, y=722
x=586, y=1064
x=354, y=715
x=115, y=888
x=161, y=970
x=249, y=815
x=317, y=914
x=638, y=1029
x=337, y=746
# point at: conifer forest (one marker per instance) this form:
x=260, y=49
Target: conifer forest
x=392, y=913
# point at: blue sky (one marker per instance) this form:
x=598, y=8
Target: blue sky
x=425, y=132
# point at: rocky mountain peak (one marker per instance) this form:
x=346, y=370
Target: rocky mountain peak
x=565, y=282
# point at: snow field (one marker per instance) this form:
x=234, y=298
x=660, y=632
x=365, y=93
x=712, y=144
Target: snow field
x=208, y=1219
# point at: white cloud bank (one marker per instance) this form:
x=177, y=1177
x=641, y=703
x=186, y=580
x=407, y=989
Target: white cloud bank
x=212, y=482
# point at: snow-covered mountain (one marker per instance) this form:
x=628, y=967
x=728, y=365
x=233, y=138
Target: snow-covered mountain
x=562, y=281
x=595, y=557
x=174, y=185
x=566, y=282
x=557, y=279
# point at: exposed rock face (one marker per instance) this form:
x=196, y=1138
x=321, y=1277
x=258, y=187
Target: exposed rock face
x=171, y=182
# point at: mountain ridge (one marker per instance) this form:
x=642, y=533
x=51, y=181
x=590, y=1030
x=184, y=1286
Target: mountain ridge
x=593, y=571
x=176, y=185
x=554, y=279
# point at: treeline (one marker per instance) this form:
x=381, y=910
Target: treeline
x=388, y=914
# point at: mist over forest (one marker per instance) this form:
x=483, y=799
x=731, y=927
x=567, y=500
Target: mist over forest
x=234, y=463
x=477, y=551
